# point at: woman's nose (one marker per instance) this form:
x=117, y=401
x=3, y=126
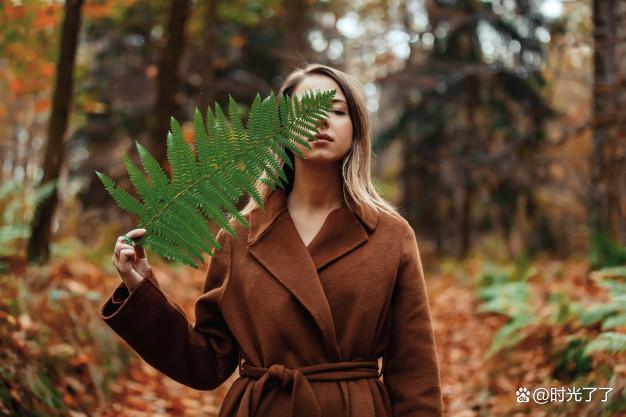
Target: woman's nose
x=322, y=123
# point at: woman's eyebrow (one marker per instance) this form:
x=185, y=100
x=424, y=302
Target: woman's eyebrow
x=338, y=100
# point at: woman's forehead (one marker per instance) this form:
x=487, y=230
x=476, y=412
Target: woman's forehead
x=313, y=82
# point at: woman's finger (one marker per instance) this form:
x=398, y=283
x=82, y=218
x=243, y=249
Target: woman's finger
x=141, y=254
x=136, y=233
x=127, y=255
x=120, y=246
x=133, y=234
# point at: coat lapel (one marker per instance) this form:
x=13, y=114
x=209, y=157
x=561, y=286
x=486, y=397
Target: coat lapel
x=273, y=240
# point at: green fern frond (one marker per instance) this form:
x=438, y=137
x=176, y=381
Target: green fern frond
x=208, y=179
x=202, y=143
x=611, y=342
x=9, y=234
x=614, y=322
x=598, y=313
x=17, y=205
x=153, y=169
x=510, y=335
x=121, y=197
x=8, y=188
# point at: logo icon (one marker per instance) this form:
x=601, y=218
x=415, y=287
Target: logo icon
x=523, y=395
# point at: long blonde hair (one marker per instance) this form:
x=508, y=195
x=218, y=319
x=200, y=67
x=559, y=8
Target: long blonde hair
x=357, y=164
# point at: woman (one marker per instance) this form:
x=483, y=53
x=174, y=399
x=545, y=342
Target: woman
x=326, y=280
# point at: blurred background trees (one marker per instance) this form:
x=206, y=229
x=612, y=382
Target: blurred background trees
x=499, y=131
x=474, y=93
x=39, y=241
x=493, y=120
x=607, y=199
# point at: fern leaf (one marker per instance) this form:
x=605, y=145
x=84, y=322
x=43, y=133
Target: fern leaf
x=212, y=135
x=168, y=252
x=181, y=156
x=121, y=197
x=209, y=178
x=145, y=189
x=614, y=322
x=238, y=130
x=222, y=140
x=201, y=140
x=611, y=342
x=8, y=188
x=154, y=170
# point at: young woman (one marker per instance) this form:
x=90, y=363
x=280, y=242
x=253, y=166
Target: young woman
x=326, y=281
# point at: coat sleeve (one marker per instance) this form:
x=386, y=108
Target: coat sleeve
x=411, y=369
x=201, y=356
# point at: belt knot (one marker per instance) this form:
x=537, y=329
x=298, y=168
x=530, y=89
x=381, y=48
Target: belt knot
x=303, y=398
x=281, y=374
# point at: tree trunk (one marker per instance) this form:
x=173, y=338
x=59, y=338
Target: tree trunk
x=466, y=218
x=295, y=28
x=607, y=172
x=467, y=164
x=618, y=184
x=39, y=243
x=207, y=89
x=409, y=171
x=168, y=103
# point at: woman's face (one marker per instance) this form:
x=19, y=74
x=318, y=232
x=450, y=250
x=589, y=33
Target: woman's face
x=338, y=124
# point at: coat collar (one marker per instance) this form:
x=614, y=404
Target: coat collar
x=273, y=241
x=276, y=203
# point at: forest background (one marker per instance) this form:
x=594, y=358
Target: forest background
x=499, y=132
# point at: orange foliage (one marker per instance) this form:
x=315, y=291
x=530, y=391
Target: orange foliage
x=17, y=87
x=47, y=17
x=152, y=71
x=42, y=105
x=238, y=41
x=188, y=132
x=12, y=11
x=47, y=69
x=96, y=11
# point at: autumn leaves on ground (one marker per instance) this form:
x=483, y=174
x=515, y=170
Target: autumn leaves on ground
x=488, y=118
x=58, y=358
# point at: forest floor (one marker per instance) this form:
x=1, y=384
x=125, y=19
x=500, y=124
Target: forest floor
x=58, y=357
x=146, y=392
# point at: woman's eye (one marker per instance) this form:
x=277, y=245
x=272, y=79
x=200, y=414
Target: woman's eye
x=339, y=112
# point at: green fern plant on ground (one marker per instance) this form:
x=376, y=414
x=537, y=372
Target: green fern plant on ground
x=604, y=252
x=505, y=291
x=228, y=160
x=17, y=205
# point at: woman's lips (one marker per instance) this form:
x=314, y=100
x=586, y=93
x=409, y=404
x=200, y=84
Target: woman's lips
x=323, y=137
x=320, y=142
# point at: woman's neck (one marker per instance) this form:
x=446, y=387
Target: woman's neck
x=316, y=187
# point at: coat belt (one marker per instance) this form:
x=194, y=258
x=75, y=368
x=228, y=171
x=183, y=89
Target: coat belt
x=303, y=401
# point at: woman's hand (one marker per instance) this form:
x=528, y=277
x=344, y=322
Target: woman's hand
x=131, y=261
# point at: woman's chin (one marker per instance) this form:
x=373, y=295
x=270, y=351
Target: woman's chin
x=321, y=157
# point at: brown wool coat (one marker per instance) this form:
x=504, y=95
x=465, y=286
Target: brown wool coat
x=304, y=325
